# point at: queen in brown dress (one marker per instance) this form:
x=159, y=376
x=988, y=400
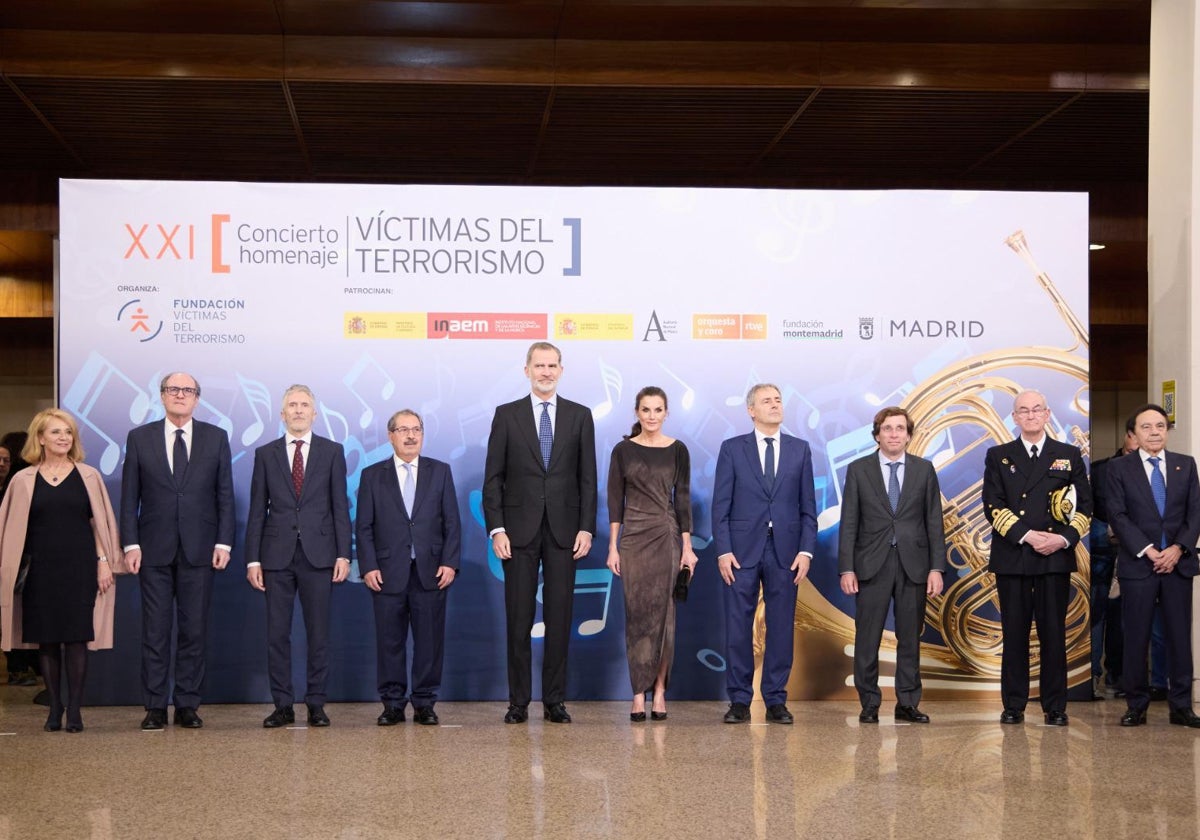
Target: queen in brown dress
x=57, y=522
x=650, y=541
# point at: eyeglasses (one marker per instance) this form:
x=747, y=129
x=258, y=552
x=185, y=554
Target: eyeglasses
x=176, y=391
x=1030, y=412
x=404, y=430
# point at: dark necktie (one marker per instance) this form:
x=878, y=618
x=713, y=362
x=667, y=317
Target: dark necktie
x=769, y=462
x=179, y=459
x=298, y=468
x=545, y=435
x=894, y=485
x=1158, y=488
x=1033, y=453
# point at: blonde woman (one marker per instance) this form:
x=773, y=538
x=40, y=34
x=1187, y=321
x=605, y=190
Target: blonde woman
x=58, y=551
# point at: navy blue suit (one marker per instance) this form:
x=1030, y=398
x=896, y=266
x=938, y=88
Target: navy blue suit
x=297, y=541
x=407, y=547
x=764, y=527
x=177, y=527
x=1135, y=520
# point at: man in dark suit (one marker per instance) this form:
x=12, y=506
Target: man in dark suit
x=764, y=517
x=409, y=543
x=539, y=503
x=1107, y=644
x=891, y=549
x=1037, y=497
x=177, y=524
x=1154, y=509
x=298, y=541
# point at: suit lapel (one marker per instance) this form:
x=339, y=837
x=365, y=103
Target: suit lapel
x=527, y=427
x=1142, y=481
x=158, y=452
x=560, y=427
x=755, y=465
x=391, y=484
x=424, y=481
x=285, y=463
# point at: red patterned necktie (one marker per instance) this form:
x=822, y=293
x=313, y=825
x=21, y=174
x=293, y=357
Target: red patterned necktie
x=298, y=468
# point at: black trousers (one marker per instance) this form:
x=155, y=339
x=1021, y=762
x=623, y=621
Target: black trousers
x=315, y=587
x=520, y=606
x=1023, y=600
x=180, y=594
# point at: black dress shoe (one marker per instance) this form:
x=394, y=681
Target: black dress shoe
x=1185, y=717
x=779, y=713
x=154, y=720
x=1056, y=718
x=75, y=725
x=869, y=714
x=425, y=715
x=911, y=714
x=317, y=716
x=53, y=721
x=516, y=714
x=738, y=713
x=1012, y=716
x=1133, y=717
x=391, y=716
x=637, y=717
x=557, y=713
x=658, y=715
x=187, y=718
x=282, y=716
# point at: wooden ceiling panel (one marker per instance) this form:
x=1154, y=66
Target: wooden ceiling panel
x=904, y=134
x=28, y=145
x=1098, y=137
x=415, y=132
x=172, y=127
x=665, y=133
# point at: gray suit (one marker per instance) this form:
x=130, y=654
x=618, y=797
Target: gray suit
x=892, y=555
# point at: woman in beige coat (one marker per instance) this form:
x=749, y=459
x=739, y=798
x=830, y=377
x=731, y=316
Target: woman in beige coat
x=56, y=520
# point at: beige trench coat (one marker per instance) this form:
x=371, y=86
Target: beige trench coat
x=14, y=518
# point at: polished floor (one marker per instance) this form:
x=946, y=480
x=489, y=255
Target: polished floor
x=963, y=776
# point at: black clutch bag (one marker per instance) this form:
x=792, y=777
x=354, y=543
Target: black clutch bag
x=682, y=581
x=22, y=573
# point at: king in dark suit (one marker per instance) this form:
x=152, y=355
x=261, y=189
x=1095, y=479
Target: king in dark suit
x=177, y=526
x=1037, y=497
x=1154, y=510
x=539, y=504
x=764, y=515
x=891, y=550
x=298, y=541
x=409, y=545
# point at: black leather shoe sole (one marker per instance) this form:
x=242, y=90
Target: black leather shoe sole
x=516, y=714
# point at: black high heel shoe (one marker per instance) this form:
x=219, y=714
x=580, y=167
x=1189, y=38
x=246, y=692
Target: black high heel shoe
x=658, y=716
x=75, y=724
x=54, y=721
x=637, y=717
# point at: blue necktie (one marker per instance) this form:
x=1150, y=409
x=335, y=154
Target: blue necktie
x=894, y=485
x=545, y=435
x=1158, y=488
x=408, y=490
x=769, y=462
x=179, y=459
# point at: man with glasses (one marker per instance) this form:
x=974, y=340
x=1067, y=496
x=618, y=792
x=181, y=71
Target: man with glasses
x=177, y=525
x=1037, y=498
x=1154, y=509
x=409, y=542
x=298, y=543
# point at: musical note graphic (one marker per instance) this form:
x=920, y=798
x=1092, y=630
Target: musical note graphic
x=475, y=505
x=478, y=415
x=689, y=393
x=903, y=391
x=364, y=365
x=90, y=386
x=841, y=451
x=587, y=582
x=814, y=416
x=610, y=377
x=257, y=396
x=740, y=399
x=329, y=415
x=430, y=407
x=706, y=426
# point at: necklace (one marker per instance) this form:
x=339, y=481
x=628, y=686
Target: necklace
x=54, y=475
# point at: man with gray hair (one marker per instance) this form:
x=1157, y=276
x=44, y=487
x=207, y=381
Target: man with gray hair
x=298, y=542
x=1037, y=498
x=764, y=515
x=177, y=528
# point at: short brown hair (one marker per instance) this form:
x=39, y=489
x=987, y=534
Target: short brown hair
x=541, y=345
x=33, y=452
x=891, y=411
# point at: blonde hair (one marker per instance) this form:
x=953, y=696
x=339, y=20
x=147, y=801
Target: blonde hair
x=34, y=452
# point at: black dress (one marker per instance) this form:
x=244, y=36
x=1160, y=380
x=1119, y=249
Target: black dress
x=60, y=590
x=648, y=493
